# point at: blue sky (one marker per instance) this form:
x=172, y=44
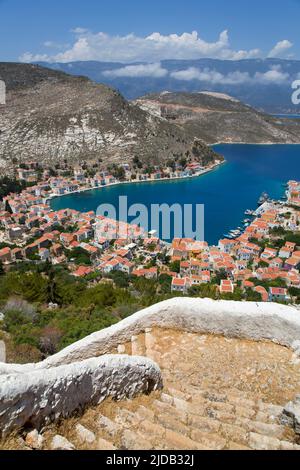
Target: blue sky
x=71, y=29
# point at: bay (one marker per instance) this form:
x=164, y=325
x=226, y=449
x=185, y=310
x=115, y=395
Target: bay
x=226, y=192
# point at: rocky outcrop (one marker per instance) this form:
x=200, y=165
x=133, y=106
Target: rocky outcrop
x=291, y=415
x=37, y=398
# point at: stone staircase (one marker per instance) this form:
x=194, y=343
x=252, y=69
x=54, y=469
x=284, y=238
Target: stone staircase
x=176, y=420
x=219, y=394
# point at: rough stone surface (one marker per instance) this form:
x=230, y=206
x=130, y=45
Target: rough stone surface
x=249, y=320
x=291, y=415
x=37, y=398
x=226, y=371
x=61, y=443
x=2, y=352
x=34, y=440
x=105, y=445
x=85, y=435
x=219, y=393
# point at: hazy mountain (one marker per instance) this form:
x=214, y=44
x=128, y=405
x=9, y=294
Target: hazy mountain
x=263, y=84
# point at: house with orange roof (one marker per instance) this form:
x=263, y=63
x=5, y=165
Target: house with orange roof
x=269, y=253
x=90, y=249
x=245, y=254
x=292, y=263
x=284, y=252
x=291, y=246
x=180, y=285
x=226, y=287
x=226, y=245
x=57, y=249
x=82, y=271
x=278, y=294
x=6, y=255
x=262, y=291
x=185, y=268
x=67, y=238
x=276, y=263
x=248, y=284
x=151, y=273
x=83, y=234
x=242, y=275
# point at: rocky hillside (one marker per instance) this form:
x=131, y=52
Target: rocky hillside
x=50, y=116
x=216, y=117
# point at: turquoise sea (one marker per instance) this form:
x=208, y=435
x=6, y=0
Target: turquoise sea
x=226, y=192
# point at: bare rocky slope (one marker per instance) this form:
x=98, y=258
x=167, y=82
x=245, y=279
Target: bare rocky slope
x=216, y=117
x=50, y=116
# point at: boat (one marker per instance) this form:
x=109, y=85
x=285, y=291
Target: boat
x=263, y=198
x=249, y=212
x=235, y=233
x=230, y=237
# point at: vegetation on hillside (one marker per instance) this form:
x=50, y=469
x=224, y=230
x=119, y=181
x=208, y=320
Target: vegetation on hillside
x=46, y=309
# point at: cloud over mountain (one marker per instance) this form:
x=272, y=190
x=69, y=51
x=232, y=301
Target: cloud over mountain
x=154, y=70
x=281, y=49
x=273, y=76
x=153, y=48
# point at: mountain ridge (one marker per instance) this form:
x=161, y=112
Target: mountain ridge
x=269, y=93
x=216, y=117
x=50, y=116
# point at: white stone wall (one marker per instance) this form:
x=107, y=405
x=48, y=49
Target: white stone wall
x=77, y=376
x=2, y=352
x=249, y=320
x=39, y=397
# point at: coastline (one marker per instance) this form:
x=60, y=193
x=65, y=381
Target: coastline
x=254, y=143
x=175, y=178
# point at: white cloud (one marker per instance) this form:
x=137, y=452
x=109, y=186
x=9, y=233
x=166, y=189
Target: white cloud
x=273, y=76
x=281, y=48
x=153, y=48
x=79, y=30
x=212, y=76
x=55, y=45
x=154, y=70
x=28, y=57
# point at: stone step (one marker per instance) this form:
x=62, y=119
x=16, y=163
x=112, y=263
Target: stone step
x=138, y=346
x=175, y=441
x=103, y=444
x=165, y=408
x=131, y=440
x=107, y=426
x=271, y=430
x=259, y=442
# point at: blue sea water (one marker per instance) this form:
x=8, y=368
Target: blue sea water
x=288, y=116
x=226, y=192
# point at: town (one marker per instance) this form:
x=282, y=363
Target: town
x=260, y=264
